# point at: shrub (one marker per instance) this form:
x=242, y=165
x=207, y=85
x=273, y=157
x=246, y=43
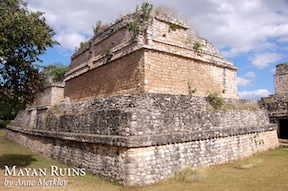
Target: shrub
x=97, y=27
x=215, y=100
x=197, y=46
x=58, y=72
x=3, y=123
x=140, y=21
x=174, y=27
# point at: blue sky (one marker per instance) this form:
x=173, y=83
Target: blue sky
x=253, y=34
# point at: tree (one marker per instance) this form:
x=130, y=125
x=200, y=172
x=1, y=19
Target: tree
x=57, y=71
x=24, y=36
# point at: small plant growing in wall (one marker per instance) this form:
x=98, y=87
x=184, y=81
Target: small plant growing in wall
x=215, y=100
x=133, y=27
x=191, y=90
x=84, y=44
x=174, y=27
x=107, y=53
x=141, y=20
x=197, y=46
x=270, y=100
x=97, y=27
x=257, y=141
x=146, y=9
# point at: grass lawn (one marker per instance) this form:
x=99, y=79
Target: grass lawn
x=264, y=171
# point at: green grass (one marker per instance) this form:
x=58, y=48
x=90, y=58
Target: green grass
x=261, y=172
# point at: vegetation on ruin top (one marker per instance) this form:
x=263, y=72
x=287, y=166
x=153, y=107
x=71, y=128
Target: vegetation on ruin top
x=137, y=26
x=57, y=71
x=216, y=102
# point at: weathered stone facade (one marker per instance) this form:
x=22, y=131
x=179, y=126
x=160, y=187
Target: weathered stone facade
x=143, y=138
x=161, y=113
x=159, y=60
x=53, y=94
x=127, y=113
x=145, y=165
x=281, y=79
x=277, y=104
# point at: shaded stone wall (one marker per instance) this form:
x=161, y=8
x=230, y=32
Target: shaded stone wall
x=121, y=76
x=53, y=94
x=159, y=162
x=277, y=104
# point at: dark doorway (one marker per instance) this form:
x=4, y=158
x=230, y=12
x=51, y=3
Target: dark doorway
x=283, y=128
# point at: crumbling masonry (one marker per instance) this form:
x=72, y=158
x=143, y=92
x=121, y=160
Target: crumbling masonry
x=277, y=104
x=134, y=107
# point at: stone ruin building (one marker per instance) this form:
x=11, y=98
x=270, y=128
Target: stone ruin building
x=135, y=106
x=52, y=95
x=277, y=104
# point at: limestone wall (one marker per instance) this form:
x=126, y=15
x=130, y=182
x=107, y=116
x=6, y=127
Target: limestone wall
x=127, y=113
x=145, y=114
x=121, y=76
x=53, y=94
x=159, y=162
x=43, y=98
x=162, y=58
x=281, y=79
x=174, y=36
x=145, y=165
x=168, y=73
x=277, y=104
x=140, y=139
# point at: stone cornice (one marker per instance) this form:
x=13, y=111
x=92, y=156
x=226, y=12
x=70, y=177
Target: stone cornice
x=146, y=140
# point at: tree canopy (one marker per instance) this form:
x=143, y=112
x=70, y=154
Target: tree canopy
x=24, y=36
x=57, y=71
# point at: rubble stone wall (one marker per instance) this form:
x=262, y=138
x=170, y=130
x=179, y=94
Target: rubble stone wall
x=140, y=139
x=132, y=166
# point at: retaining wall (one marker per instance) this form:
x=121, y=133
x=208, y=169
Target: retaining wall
x=143, y=138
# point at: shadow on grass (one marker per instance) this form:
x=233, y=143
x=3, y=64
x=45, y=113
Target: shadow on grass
x=16, y=159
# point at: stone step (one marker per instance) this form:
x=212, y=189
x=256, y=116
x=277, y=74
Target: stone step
x=283, y=141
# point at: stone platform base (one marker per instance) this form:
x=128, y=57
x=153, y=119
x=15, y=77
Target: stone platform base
x=145, y=138
x=145, y=165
